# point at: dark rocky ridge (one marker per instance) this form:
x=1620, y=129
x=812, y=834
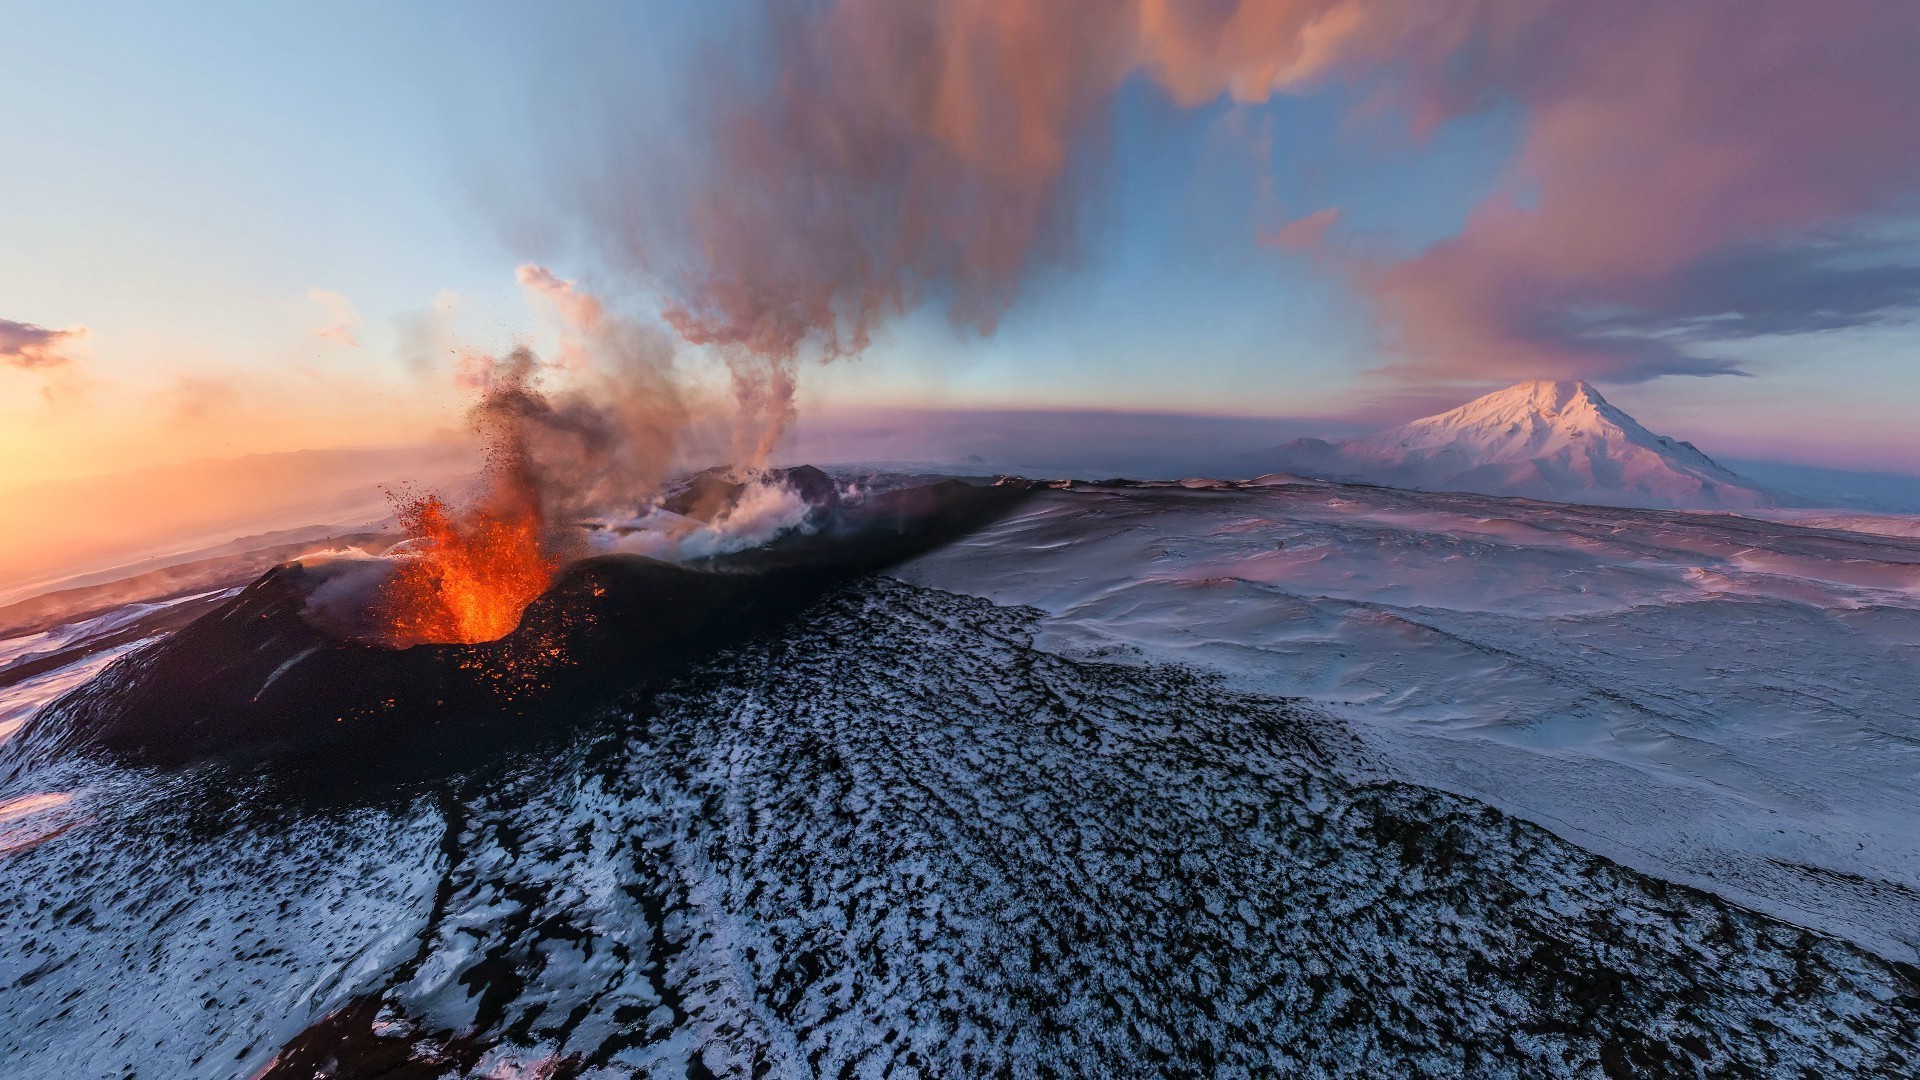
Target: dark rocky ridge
x=255, y=680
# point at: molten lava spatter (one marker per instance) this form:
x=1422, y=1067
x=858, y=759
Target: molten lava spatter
x=467, y=577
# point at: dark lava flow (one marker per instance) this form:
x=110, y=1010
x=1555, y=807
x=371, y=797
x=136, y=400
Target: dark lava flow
x=857, y=828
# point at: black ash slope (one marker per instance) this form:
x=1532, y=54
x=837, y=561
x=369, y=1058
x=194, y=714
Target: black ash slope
x=256, y=681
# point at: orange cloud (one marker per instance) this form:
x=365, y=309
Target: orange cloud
x=1658, y=136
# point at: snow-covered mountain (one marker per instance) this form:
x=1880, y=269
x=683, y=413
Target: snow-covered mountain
x=1543, y=440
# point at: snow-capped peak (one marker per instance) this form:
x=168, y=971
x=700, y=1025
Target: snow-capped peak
x=1526, y=420
x=1545, y=397
x=1543, y=439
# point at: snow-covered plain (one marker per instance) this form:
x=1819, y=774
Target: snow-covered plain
x=1202, y=778
x=1723, y=701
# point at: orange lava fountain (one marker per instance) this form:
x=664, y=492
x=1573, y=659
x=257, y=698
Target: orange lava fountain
x=470, y=577
x=467, y=573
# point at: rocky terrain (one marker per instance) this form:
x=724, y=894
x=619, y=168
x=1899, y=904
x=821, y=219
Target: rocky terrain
x=897, y=840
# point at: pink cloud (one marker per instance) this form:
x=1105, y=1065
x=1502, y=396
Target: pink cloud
x=1657, y=136
x=342, y=320
x=582, y=312
x=36, y=348
x=902, y=150
x=1304, y=234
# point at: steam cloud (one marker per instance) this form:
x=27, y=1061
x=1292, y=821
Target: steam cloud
x=897, y=152
x=577, y=447
x=593, y=430
x=593, y=433
x=609, y=430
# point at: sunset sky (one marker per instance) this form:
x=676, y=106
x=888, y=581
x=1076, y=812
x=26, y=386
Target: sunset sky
x=243, y=228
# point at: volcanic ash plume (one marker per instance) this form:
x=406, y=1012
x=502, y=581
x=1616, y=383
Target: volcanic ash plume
x=878, y=153
x=571, y=444
x=596, y=429
x=896, y=152
x=466, y=574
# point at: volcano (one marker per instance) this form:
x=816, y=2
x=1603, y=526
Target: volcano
x=1380, y=776
x=261, y=680
x=1558, y=441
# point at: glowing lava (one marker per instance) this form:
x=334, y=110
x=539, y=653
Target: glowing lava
x=466, y=577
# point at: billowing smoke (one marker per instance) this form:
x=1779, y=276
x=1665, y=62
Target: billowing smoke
x=764, y=509
x=883, y=154
x=897, y=150
x=570, y=443
x=600, y=425
x=592, y=431
x=892, y=153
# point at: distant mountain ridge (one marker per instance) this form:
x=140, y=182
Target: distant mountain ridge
x=1543, y=439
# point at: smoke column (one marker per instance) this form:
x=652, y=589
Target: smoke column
x=879, y=153
x=595, y=430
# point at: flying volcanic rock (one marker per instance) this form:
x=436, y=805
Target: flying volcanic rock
x=1559, y=441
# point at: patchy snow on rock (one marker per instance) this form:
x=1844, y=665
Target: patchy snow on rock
x=899, y=840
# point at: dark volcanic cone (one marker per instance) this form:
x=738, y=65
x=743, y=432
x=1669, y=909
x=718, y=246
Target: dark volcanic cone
x=255, y=681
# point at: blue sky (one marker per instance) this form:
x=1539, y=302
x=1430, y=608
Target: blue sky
x=180, y=178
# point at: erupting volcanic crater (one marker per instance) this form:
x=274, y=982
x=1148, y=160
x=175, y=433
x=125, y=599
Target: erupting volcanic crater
x=442, y=665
